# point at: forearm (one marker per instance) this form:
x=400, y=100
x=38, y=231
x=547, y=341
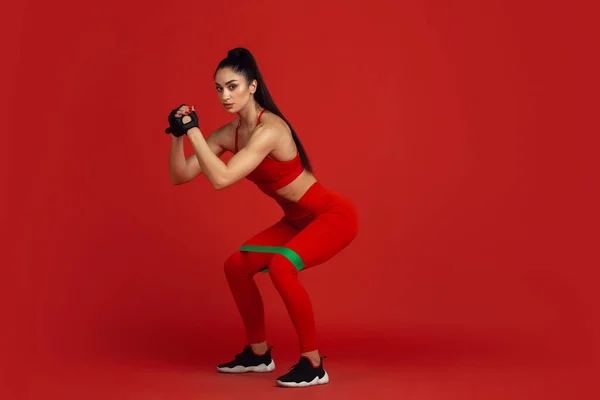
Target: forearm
x=177, y=163
x=212, y=166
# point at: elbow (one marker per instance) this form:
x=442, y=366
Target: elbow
x=177, y=180
x=220, y=184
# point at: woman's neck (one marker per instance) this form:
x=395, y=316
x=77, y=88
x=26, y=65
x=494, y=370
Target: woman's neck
x=249, y=115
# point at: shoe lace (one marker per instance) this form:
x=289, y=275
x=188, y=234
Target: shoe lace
x=241, y=354
x=293, y=366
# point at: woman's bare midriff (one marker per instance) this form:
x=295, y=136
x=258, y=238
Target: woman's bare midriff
x=295, y=190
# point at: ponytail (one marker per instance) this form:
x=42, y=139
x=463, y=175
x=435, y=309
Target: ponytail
x=243, y=63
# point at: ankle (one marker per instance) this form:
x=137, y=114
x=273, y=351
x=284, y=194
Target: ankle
x=314, y=357
x=259, y=348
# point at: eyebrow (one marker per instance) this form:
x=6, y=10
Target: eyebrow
x=228, y=82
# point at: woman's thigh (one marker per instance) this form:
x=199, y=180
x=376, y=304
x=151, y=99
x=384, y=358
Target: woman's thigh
x=327, y=235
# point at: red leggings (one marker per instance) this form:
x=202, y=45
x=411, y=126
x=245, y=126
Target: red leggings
x=317, y=227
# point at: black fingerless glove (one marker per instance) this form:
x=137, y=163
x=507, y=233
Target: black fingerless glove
x=176, y=125
x=193, y=123
x=173, y=123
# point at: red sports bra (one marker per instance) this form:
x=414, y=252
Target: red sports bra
x=271, y=175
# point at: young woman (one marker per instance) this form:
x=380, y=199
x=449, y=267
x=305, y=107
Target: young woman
x=316, y=224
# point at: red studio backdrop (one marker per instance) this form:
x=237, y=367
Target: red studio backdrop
x=459, y=130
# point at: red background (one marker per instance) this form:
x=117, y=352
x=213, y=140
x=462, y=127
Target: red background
x=460, y=131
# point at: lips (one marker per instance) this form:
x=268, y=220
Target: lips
x=228, y=105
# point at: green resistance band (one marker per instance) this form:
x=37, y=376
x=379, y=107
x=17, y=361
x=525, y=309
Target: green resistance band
x=284, y=251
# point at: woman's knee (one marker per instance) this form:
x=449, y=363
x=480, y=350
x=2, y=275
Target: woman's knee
x=234, y=266
x=280, y=268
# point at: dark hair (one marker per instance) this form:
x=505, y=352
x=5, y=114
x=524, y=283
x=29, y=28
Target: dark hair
x=243, y=63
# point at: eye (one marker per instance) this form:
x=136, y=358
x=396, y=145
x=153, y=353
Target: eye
x=232, y=87
x=219, y=89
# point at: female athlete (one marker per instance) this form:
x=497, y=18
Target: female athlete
x=317, y=223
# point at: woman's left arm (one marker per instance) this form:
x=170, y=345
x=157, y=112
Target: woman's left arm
x=222, y=175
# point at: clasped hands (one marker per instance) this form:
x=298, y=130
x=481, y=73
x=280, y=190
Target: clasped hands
x=181, y=120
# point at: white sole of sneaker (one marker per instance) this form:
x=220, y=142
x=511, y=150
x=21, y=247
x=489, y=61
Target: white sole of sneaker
x=238, y=369
x=316, y=381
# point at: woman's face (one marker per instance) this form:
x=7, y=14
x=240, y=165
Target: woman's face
x=234, y=92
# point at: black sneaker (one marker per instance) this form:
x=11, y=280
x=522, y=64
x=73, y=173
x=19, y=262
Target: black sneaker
x=304, y=374
x=248, y=361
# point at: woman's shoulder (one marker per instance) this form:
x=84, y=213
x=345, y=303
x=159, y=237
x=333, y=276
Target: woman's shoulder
x=225, y=134
x=226, y=129
x=273, y=122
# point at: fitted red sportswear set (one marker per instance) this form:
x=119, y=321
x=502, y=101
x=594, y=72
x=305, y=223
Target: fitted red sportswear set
x=311, y=231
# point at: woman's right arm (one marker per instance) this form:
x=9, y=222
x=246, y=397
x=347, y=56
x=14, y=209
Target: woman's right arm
x=183, y=170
